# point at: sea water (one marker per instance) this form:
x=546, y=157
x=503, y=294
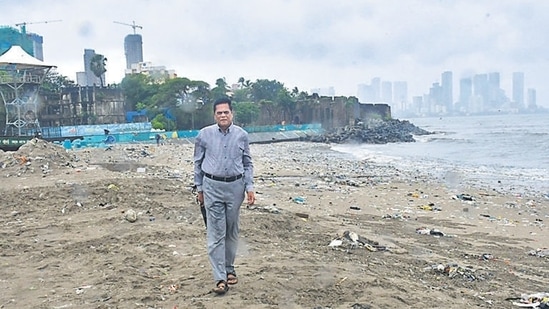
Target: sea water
x=503, y=152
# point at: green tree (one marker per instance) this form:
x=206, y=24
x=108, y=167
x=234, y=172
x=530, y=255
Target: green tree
x=245, y=112
x=264, y=89
x=220, y=90
x=168, y=101
x=202, y=115
x=54, y=82
x=160, y=122
x=244, y=83
x=98, y=65
x=138, y=90
x=242, y=95
x=200, y=91
x=170, y=93
x=166, y=97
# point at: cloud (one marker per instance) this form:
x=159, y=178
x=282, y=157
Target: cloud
x=306, y=43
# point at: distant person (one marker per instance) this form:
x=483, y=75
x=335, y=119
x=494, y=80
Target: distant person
x=223, y=175
x=157, y=137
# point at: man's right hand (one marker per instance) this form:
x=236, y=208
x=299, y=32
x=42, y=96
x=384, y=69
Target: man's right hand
x=200, y=199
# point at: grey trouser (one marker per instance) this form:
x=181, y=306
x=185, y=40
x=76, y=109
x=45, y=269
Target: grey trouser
x=222, y=201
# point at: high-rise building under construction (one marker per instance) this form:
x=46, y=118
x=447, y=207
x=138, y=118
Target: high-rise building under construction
x=133, y=48
x=30, y=42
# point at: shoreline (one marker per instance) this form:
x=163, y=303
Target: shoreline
x=517, y=181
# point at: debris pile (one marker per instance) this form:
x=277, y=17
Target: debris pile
x=37, y=156
x=351, y=240
x=453, y=270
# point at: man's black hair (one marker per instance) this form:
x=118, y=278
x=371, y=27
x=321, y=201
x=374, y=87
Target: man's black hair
x=222, y=101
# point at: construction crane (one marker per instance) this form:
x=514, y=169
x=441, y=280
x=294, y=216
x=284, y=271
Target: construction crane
x=23, y=25
x=133, y=25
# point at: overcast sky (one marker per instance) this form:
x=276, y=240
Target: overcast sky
x=302, y=43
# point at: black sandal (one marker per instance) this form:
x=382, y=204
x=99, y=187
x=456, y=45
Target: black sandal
x=232, y=279
x=221, y=287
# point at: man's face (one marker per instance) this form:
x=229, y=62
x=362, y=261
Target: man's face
x=223, y=115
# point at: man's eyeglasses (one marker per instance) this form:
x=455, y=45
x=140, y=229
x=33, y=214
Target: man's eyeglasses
x=222, y=113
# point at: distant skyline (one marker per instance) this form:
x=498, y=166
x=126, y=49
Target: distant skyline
x=306, y=44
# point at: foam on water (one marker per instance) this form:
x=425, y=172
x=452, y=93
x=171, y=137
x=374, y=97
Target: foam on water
x=508, y=152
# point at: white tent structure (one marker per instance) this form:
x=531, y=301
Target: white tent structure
x=17, y=56
x=20, y=78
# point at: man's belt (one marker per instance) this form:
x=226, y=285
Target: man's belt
x=225, y=179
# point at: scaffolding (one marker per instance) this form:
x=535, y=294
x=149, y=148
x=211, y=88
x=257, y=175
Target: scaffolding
x=21, y=76
x=10, y=36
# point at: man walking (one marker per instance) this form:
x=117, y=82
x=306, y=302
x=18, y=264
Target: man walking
x=223, y=175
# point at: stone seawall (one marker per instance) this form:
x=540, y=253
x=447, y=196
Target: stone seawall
x=273, y=137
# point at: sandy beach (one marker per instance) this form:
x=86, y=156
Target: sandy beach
x=119, y=228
